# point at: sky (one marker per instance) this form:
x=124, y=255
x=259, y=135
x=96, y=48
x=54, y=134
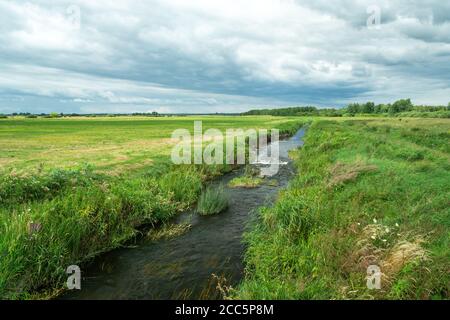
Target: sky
x=202, y=56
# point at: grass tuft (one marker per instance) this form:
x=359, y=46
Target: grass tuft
x=245, y=182
x=212, y=201
x=168, y=231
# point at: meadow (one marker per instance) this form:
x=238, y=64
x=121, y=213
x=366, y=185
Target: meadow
x=368, y=192
x=71, y=189
x=113, y=145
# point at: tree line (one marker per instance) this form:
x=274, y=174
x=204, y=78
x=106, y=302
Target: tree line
x=398, y=107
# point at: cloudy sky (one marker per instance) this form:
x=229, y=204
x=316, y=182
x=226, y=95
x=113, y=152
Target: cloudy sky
x=220, y=55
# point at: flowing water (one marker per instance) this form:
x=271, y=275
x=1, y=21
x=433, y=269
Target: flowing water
x=182, y=267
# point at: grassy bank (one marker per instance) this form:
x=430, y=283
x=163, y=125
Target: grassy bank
x=367, y=192
x=55, y=212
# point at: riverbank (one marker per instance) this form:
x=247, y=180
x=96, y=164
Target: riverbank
x=367, y=192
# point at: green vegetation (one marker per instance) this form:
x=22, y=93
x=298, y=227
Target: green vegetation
x=297, y=111
x=368, y=192
x=245, y=182
x=55, y=228
x=168, y=231
x=57, y=211
x=212, y=201
x=250, y=178
x=113, y=145
x=400, y=108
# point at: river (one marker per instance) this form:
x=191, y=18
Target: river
x=182, y=267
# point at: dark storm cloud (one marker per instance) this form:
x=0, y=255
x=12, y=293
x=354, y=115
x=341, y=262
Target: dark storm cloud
x=201, y=55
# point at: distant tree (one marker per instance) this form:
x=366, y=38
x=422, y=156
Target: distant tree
x=154, y=113
x=401, y=106
x=54, y=114
x=368, y=107
x=353, y=108
x=378, y=108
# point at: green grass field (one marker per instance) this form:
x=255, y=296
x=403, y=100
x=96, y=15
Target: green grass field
x=368, y=191
x=111, y=144
x=73, y=188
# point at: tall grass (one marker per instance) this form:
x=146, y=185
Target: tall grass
x=381, y=200
x=20, y=188
x=212, y=201
x=81, y=218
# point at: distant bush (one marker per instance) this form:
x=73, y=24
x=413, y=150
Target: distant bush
x=418, y=114
x=297, y=111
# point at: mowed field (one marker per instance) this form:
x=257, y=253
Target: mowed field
x=111, y=144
